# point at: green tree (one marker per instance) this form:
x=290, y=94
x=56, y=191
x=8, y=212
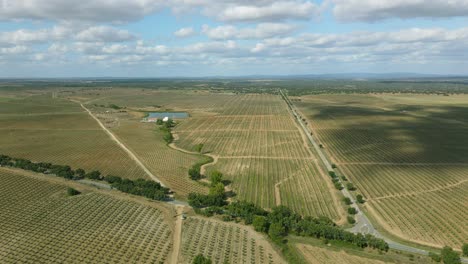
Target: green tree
x=465, y=249
x=94, y=175
x=435, y=257
x=449, y=256
x=351, y=220
x=80, y=173
x=217, y=189
x=194, y=173
x=72, y=192
x=277, y=232
x=260, y=223
x=350, y=186
x=360, y=199
x=216, y=177
x=352, y=211
x=200, y=259
x=347, y=201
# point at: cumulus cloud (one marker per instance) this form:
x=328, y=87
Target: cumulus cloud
x=65, y=33
x=262, y=30
x=271, y=12
x=35, y=36
x=116, y=11
x=184, y=32
x=14, y=50
x=79, y=10
x=104, y=34
x=374, y=10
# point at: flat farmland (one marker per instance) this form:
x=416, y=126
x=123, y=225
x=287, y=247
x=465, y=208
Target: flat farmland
x=44, y=129
x=317, y=255
x=253, y=137
x=41, y=224
x=260, y=149
x=171, y=166
x=408, y=155
x=225, y=243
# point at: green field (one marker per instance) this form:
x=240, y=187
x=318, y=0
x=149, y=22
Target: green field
x=408, y=155
x=41, y=224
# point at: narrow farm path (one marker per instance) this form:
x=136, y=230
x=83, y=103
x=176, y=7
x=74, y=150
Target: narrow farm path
x=277, y=186
x=419, y=192
x=129, y=152
x=177, y=235
x=203, y=167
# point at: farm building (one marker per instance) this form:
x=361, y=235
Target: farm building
x=165, y=116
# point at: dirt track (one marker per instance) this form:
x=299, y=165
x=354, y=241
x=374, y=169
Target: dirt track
x=129, y=152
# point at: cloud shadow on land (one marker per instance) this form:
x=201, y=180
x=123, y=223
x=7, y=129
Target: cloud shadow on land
x=398, y=135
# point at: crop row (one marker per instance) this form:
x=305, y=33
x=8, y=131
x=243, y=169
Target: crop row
x=300, y=184
x=376, y=181
x=224, y=242
x=49, y=227
x=437, y=217
x=170, y=165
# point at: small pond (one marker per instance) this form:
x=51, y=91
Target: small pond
x=172, y=115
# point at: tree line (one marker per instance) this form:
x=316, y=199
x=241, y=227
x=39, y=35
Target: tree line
x=277, y=223
x=149, y=189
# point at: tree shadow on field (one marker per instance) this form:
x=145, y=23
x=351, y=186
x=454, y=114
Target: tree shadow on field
x=398, y=135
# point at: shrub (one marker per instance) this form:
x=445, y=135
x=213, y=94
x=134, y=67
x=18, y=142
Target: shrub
x=350, y=186
x=338, y=186
x=260, y=224
x=72, y=192
x=194, y=173
x=351, y=220
x=435, y=257
x=347, y=201
x=352, y=211
x=449, y=256
x=94, y=175
x=360, y=199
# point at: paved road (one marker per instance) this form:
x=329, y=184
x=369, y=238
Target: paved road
x=363, y=224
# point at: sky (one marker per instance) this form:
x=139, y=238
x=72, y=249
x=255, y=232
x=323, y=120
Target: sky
x=185, y=38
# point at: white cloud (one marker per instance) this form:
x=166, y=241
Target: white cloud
x=261, y=31
x=104, y=34
x=374, y=10
x=15, y=50
x=259, y=47
x=35, y=36
x=266, y=11
x=184, y=32
x=79, y=10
